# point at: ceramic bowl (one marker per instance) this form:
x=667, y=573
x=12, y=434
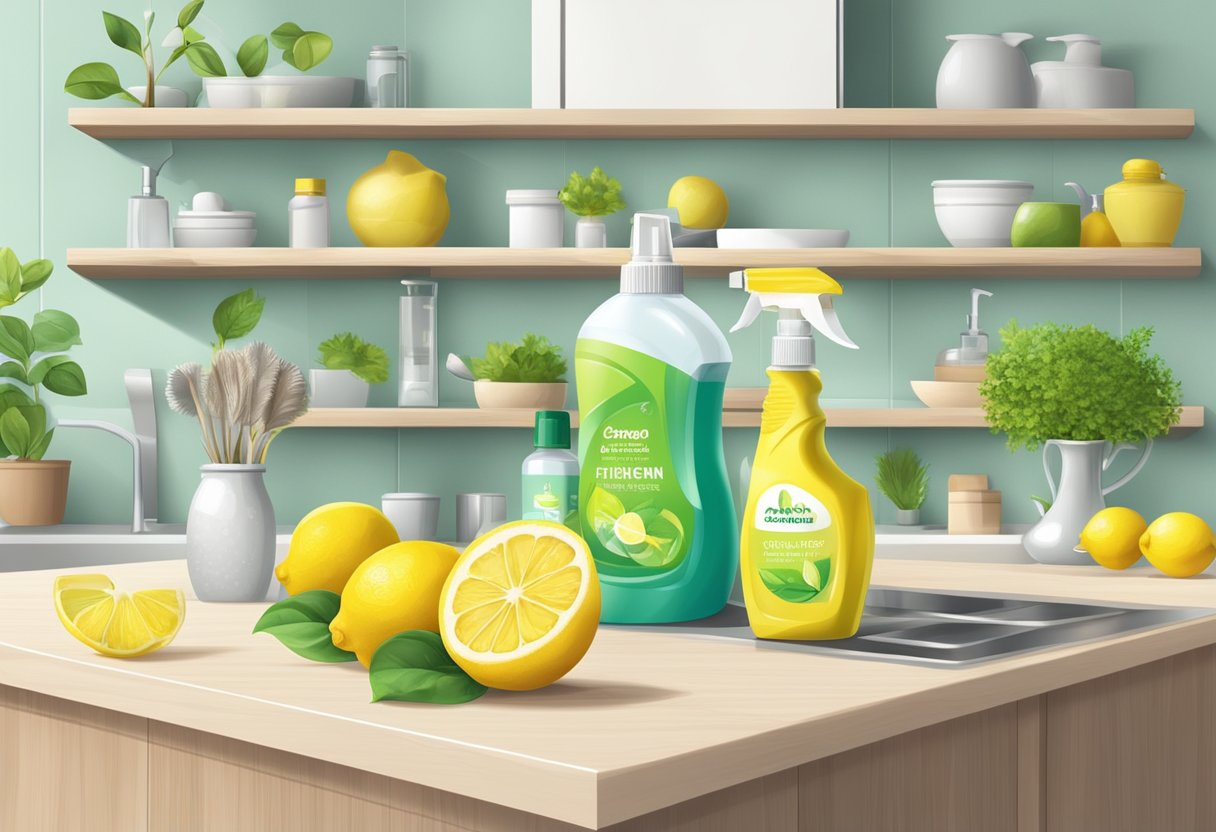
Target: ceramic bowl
x=520, y=395
x=948, y=393
x=208, y=223
x=213, y=237
x=978, y=213
x=165, y=96
x=280, y=91
x=782, y=238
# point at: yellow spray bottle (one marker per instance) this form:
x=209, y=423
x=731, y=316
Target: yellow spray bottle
x=808, y=531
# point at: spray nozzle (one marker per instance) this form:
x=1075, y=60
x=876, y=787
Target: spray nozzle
x=799, y=295
x=652, y=269
x=973, y=320
x=651, y=242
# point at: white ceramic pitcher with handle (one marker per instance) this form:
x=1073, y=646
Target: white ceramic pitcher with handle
x=1078, y=497
x=986, y=71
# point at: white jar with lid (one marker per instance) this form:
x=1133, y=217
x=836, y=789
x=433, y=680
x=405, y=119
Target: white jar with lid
x=537, y=219
x=309, y=215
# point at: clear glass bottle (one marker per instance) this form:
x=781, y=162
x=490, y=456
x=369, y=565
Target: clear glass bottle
x=419, y=381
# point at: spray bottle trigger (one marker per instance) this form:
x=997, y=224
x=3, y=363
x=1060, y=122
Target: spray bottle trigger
x=751, y=311
x=822, y=316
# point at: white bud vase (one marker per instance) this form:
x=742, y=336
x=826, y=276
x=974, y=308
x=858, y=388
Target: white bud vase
x=590, y=232
x=230, y=534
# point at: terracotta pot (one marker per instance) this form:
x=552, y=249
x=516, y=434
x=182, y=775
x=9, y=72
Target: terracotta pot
x=33, y=492
x=520, y=394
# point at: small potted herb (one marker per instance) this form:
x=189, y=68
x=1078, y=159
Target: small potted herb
x=591, y=198
x=904, y=480
x=352, y=365
x=33, y=490
x=529, y=374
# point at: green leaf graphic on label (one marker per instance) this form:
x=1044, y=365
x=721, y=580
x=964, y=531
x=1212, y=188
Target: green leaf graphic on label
x=784, y=501
x=811, y=575
x=797, y=586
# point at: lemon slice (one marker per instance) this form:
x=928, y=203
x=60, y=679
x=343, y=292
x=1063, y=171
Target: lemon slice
x=115, y=623
x=521, y=606
x=630, y=529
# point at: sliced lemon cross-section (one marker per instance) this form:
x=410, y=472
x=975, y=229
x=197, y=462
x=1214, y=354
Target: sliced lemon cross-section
x=521, y=606
x=114, y=623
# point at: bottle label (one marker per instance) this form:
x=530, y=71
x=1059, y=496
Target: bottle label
x=797, y=544
x=551, y=497
x=635, y=515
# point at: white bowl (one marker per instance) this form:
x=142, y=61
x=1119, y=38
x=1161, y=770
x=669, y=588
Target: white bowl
x=948, y=393
x=978, y=213
x=280, y=91
x=206, y=223
x=782, y=238
x=213, y=237
x=165, y=96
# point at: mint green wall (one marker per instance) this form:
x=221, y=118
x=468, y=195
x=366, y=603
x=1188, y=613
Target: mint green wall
x=61, y=189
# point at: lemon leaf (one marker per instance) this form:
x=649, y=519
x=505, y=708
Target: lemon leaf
x=810, y=574
x=301, y=624
x=414, y=666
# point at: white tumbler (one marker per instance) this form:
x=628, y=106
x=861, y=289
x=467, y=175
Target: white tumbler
x=419, y=385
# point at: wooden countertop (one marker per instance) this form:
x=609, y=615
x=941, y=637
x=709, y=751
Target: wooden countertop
x=645, y=721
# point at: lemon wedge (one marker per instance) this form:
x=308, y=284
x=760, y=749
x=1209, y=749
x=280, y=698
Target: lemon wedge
x=522, y=605
x=115, y=623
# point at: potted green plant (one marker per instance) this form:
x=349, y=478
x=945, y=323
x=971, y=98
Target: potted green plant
x=904, y=480
x=98, y=80
x=33, y=489
x=528, y=374
x=242, y=401
x=591, y=198
x=1088, y=394
x=351, y=365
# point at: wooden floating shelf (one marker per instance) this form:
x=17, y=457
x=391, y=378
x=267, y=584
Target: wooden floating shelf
x=855, y=417
x=452, y=262
x=437, y=123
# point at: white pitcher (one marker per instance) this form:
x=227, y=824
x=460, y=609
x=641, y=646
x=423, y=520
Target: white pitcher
x=1078, y=498
x=986, y=71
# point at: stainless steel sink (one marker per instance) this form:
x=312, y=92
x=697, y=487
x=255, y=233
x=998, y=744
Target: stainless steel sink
x=949, y=630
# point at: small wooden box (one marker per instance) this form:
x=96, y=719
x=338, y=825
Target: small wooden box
x=967, y=482
x=974, y=512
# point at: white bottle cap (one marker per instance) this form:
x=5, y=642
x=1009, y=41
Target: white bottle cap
x=652, y=271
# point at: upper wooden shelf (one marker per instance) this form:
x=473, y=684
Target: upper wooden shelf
x=437, y=123
x=452, y=262
x=736, y=415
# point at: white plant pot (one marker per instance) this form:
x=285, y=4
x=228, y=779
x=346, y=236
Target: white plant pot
x=537, y=219
x=165, y=96
x=230, y=544
x=280, y=91
x=590, y=232
x=520, y=395
x=337, y=388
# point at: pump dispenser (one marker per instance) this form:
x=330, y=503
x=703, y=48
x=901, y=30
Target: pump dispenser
x=808, y=532
x=654, y=499
x=148, y=215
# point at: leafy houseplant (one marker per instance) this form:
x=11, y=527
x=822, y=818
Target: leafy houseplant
x=904, y=480
x=99, y=80
x=591, y=198
x=351, y=365
x=33, y=490
x=528, y=374
x=301, y=49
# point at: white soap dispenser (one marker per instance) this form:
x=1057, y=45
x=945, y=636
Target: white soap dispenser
x=1080, y=80
x=148, y=216
x=967, y=361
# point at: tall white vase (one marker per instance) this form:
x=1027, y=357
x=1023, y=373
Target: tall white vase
x=230, y=534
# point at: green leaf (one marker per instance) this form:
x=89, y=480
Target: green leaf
x=285, y=36
x=39, y=449
x=34, y=274
x=788, y=585
x=66, y=379
x=301, y=623
x=55, y=331
x=95, y=81
x=237, y=315
x=16, y=340
x=189, y=11
x=596, y=195
x=191, y=35
x=414, y=667
x=204, y=60
x=252, y=55
x=347, y=351
x=533, y=360
x=310, y=49
x=902, y=478
x=123, y=33
x=11, y=396
x=10, y=277
x=15, y=432
x=11, y=369
x=40, y=370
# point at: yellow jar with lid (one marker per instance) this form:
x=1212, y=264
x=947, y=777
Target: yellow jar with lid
x=1144, y=209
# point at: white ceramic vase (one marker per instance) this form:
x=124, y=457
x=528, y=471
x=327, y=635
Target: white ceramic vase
x=986, y=71
x=590, y=232
x=230, y=544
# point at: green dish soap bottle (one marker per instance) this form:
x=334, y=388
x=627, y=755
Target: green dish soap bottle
x=550, y=473
x=654, y=498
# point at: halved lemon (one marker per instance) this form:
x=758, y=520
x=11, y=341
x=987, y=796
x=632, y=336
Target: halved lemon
x=522, y=605
x=114, y=623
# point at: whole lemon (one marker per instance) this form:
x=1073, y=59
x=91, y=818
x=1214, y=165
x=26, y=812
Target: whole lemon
x=1179, y=544
x=700, y=202
x=330, y=542
x=395, y=590
x=1112, y=537
x=400, y=202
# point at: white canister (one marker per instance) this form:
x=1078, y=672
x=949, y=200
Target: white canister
x=537, y=219
x=414, y=515
x=388, y=77
x=308, y=214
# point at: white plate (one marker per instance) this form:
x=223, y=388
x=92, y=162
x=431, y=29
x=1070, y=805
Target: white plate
x=782, y=238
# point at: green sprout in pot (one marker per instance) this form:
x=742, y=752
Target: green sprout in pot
x=347, y=351
x=904, y=480
x=98, y=80
x=595, y=195
x=532, y=360
x=301, y=49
